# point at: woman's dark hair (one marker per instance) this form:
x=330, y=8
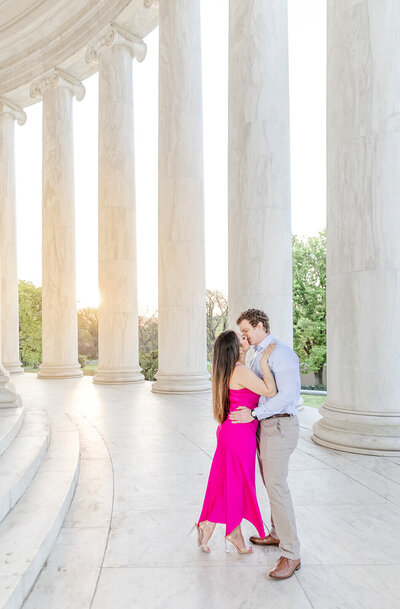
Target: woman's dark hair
x=225, y=356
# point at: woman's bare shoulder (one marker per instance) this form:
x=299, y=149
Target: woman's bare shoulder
x=237, y=377
x=242, y=372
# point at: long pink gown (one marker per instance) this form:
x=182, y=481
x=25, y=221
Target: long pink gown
x=231, y=491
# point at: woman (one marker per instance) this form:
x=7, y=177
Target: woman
x=231, y=493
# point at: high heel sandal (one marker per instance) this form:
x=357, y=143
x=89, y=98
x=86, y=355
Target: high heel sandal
x=231, y=540
x=199, y=529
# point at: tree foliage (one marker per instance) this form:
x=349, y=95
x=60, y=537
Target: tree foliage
x=309, y=316
x=309, y=302
x=30, y=323
x=216, y=317
x=88, y=332
x=148, y=362
x=148, y=332
x=148, y=345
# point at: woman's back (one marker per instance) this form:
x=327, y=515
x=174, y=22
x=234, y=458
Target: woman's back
x=242, y=397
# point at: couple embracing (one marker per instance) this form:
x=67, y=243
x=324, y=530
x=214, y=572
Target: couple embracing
x=256, y=407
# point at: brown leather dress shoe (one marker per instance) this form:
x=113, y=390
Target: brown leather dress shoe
x=285, y=567
x=265, y=541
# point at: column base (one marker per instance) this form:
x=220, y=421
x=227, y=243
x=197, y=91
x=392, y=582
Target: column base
x=8, y=396
x=53, y=371
x=181, y=383
x=106, y=376
x=14, y=399
x=358, y=432
x=14, y=367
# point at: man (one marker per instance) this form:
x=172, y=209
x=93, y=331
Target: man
x=278, y=434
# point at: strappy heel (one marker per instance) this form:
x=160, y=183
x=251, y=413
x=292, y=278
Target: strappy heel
x=199, y=528
x=233, y=542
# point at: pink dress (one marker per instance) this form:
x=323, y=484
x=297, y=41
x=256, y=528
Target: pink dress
x=231, y=491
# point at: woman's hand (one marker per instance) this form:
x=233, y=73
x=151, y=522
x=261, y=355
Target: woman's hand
x=266, y=353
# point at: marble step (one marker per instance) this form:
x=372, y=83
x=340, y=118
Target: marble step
x=30, y=529
x=11, y=420
x=22, y=459
x=69, y=578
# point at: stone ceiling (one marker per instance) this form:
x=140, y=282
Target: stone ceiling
x=37, y=35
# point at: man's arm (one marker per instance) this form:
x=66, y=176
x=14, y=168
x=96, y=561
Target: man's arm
x=288, y=384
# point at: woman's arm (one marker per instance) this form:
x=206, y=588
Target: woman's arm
x=247, y=378
x=268, y=377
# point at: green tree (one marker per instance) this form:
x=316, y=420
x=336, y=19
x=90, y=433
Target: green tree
x=148, y=345
x=30, y=323
x=148, y=362
x=88, y=332
x=216, y=317
x=309, y=302
x=148, y=333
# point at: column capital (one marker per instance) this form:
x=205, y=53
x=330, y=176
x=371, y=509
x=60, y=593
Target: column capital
x=115, y=35
x=151, y=3
x=57, y=78
x=7, y=107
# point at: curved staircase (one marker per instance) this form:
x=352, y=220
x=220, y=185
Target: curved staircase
x=39, y=467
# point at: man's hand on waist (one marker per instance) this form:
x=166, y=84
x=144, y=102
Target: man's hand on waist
x=241, y=415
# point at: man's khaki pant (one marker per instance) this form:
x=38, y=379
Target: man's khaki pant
x=277, y=439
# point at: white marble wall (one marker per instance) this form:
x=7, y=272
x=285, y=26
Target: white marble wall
x=118, y=311
x=362, y=413
x=182, y=292
x=260, y=264
x=8, y=237
x=59, y=307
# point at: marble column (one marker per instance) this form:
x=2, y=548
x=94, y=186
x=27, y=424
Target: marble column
x=59, y=311
x=182, y=365
x=118, y=312
x=8, y=237
x=8, y=397
x=362, y=411
x=259, y=222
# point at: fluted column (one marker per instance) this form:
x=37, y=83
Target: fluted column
x=118, y=312
x=362, y=411
x=181, y=286
x=8, y=397
x=59, y=313
x=8, y=237
x=260, y=247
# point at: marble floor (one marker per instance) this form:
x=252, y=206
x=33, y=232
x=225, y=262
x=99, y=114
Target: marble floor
x=144, y=464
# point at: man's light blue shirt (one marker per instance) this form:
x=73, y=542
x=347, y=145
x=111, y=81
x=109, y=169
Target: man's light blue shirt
x=284, y=365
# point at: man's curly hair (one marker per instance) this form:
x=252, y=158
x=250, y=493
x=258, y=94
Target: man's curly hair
x=254, y=316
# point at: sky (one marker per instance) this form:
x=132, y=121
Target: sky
x=307, y=84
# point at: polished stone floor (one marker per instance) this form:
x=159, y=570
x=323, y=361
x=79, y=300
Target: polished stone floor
x=144, y=464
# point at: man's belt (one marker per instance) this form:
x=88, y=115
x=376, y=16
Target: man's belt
x=279, y=415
